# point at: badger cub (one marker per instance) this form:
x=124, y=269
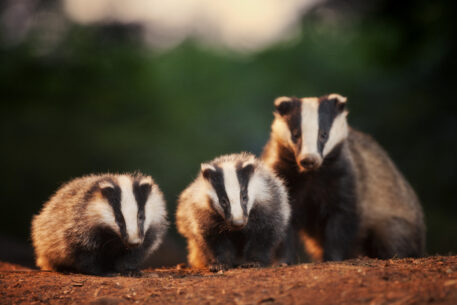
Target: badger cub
x=347, y=196
x=235, y=213
x=100, y=224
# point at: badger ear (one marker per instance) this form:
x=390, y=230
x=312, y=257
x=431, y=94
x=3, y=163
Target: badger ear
x=105, y=185
x=107, y=189
x=207, y=170
x=146, y=181
x=283, y=105
x=247, y=168
x=340, y=101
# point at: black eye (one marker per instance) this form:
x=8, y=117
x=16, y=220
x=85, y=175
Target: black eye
x=141, y=216
x=296, y=134
x=323, y=136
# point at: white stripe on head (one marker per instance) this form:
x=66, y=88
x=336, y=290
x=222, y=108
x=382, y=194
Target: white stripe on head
x=338, y=132
x=129, y=209
x=232, y=188
x=309, y=127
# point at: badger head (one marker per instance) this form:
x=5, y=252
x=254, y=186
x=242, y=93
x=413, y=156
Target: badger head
x=310, y=127
x=129, y=205
x=232, y=188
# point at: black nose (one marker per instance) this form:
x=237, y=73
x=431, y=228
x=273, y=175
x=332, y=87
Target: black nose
x=310, y=162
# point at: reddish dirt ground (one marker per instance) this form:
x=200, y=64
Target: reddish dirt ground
x=431, y=280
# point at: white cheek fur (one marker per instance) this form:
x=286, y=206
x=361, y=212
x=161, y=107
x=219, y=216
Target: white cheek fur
x=154, y=209
x=281, y=130
x=102, y=212
x=257, y=190
x=338, y=132
x=211, y=193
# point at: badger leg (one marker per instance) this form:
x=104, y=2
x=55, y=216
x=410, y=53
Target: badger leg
x=287, y=251
x=222, y=252
x=129, y=264
x=86, y=262
x=259, y=247
x=340, y=236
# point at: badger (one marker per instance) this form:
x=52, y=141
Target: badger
x=100, y=225
x=348, y=198
x=235, y=213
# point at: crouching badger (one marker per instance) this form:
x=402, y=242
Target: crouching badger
x=100, y=224
x=347, y=196
x=235, y=213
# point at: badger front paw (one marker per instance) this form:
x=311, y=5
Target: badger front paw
x=132, y=273
x=218, y=267
x=252, y=265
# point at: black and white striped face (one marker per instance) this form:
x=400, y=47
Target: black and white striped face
x=129, y=205
x=232, y=189
x=311, y=127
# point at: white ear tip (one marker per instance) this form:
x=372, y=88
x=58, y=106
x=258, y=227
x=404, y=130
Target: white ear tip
x=281, y=99
x=249, y=162
x=146, y=180
x=106, y=184
x=205, y=166
x=337, y=96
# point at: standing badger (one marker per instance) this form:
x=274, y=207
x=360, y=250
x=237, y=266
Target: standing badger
x=347, y=196
x=234, y=214
x=100, y=224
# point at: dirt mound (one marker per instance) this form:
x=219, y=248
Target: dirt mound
x=362, y=281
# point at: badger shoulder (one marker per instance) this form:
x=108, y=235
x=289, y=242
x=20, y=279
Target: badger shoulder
x=192, y=204
x=380, y=181
x=57, y=217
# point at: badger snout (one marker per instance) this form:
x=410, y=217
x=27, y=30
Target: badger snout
x=133, y=243
x=238, y=223
x=310, y=162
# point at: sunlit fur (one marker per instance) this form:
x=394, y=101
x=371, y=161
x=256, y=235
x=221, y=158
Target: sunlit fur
x=369, y=208
x=71, y=221
x=201, y=218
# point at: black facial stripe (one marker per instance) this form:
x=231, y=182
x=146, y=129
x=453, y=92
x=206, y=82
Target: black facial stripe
x=293, y=120
x=113, y=195
x=216, y=179
x=141, y=193
x=244, y=174
x=327, y=112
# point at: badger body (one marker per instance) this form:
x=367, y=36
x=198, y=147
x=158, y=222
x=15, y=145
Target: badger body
x=235, y=213
x=100, y=224
x=347, y=196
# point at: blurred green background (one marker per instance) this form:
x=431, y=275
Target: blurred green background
x=102, y=99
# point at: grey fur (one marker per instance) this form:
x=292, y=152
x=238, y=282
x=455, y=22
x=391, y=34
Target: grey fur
x=69, y=236
x=212, y=242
